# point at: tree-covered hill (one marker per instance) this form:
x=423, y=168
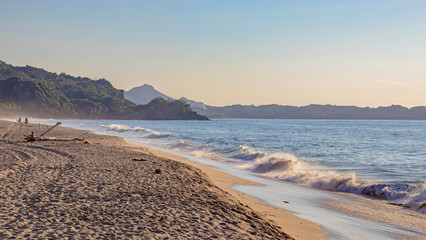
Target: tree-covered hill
x=159, y=108
x=39, y=93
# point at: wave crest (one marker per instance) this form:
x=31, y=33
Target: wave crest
x=123, y=128
x=287, y=167
x=117, y=127
x=141, y=129
x=246, y=153
x=154, y=134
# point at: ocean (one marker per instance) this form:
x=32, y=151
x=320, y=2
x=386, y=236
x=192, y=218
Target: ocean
x=383, y=160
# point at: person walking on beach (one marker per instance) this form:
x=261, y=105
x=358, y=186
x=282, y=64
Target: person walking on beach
x=26, y=121
x=19, y=120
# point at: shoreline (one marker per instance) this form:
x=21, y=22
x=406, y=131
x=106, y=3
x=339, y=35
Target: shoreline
x=50, y=158
x=296, y=227
x=345, y=207
x=315, y=205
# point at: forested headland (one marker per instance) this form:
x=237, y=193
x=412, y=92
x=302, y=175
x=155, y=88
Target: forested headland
x=39, y=93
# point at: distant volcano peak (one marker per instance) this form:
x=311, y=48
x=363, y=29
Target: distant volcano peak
x=147, y=86
x=143, y=94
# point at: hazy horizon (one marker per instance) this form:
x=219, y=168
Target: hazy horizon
x=178, y=97
x=360, y=53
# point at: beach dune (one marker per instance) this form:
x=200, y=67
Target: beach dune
x=105, y=188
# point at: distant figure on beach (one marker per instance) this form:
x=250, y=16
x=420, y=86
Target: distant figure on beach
x=26, y=121
x=19, y=120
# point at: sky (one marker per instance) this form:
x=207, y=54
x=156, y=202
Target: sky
x=363, y=53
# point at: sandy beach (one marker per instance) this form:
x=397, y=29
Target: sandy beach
x=106, y=188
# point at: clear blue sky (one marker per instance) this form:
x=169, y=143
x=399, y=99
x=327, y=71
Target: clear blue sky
x=365, y=53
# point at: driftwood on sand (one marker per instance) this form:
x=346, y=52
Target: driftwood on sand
x=32, y=138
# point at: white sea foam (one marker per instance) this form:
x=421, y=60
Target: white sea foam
x=204, y=154
x=246, y=153
x=200, y=151
x=287, y=167
x=117, y=127
x=141, y=129
x=154, y=134
x=125, y=128
x=151, y=133
x=182, y=145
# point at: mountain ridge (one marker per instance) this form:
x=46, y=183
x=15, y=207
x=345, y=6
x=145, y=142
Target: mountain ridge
x=312, y=111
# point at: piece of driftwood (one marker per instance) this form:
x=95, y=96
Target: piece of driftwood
x=48, y=130
x=31, y=138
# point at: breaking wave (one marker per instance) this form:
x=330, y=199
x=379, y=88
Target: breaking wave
x=154, y=134
x=124, y=128
x=141, y=129
x=117, y=127
x=246, y=153
x=287, y=167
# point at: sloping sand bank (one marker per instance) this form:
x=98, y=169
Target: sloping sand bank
x=109, y=189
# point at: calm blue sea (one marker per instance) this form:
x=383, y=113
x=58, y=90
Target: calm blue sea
x=381, y=159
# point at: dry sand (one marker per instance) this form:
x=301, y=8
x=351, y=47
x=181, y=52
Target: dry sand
x=80, y=190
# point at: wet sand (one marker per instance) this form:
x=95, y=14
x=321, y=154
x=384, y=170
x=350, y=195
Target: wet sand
x=375, y=210
x=106, y=188
x=296, y=227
